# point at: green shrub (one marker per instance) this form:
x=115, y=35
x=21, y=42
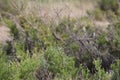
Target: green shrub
x=25, y=69
x=116, y=70
x=109, y=5
x=101, y=41
x=100, y=74
x=14, y=70
x=114, y=39
x=3, y=6
x=61, y=65
x=85, y=73
x=111, y=16
x=99, y=14
x=5, y=69
x=13, y=29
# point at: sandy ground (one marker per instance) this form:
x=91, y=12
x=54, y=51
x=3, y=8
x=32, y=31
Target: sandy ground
x=4, y=34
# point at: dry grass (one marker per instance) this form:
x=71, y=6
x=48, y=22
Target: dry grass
x=48, y=10
x=56, y=10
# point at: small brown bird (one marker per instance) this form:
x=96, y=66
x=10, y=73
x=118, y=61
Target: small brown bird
x=57, y=37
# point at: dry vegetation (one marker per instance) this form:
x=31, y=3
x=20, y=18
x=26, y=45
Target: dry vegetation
x=59, y=40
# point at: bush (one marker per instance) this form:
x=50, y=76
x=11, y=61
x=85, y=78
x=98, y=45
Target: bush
x=109, y=5
x=3, y=6
x=116, y=70
x=25, y=69
x=5, y=69
x=14, y=70
x=99, y=14
x=101, y=41
x=114, y=39
x=61, y=65
x=13, y=29
x=99, y=75
x=112, y=16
